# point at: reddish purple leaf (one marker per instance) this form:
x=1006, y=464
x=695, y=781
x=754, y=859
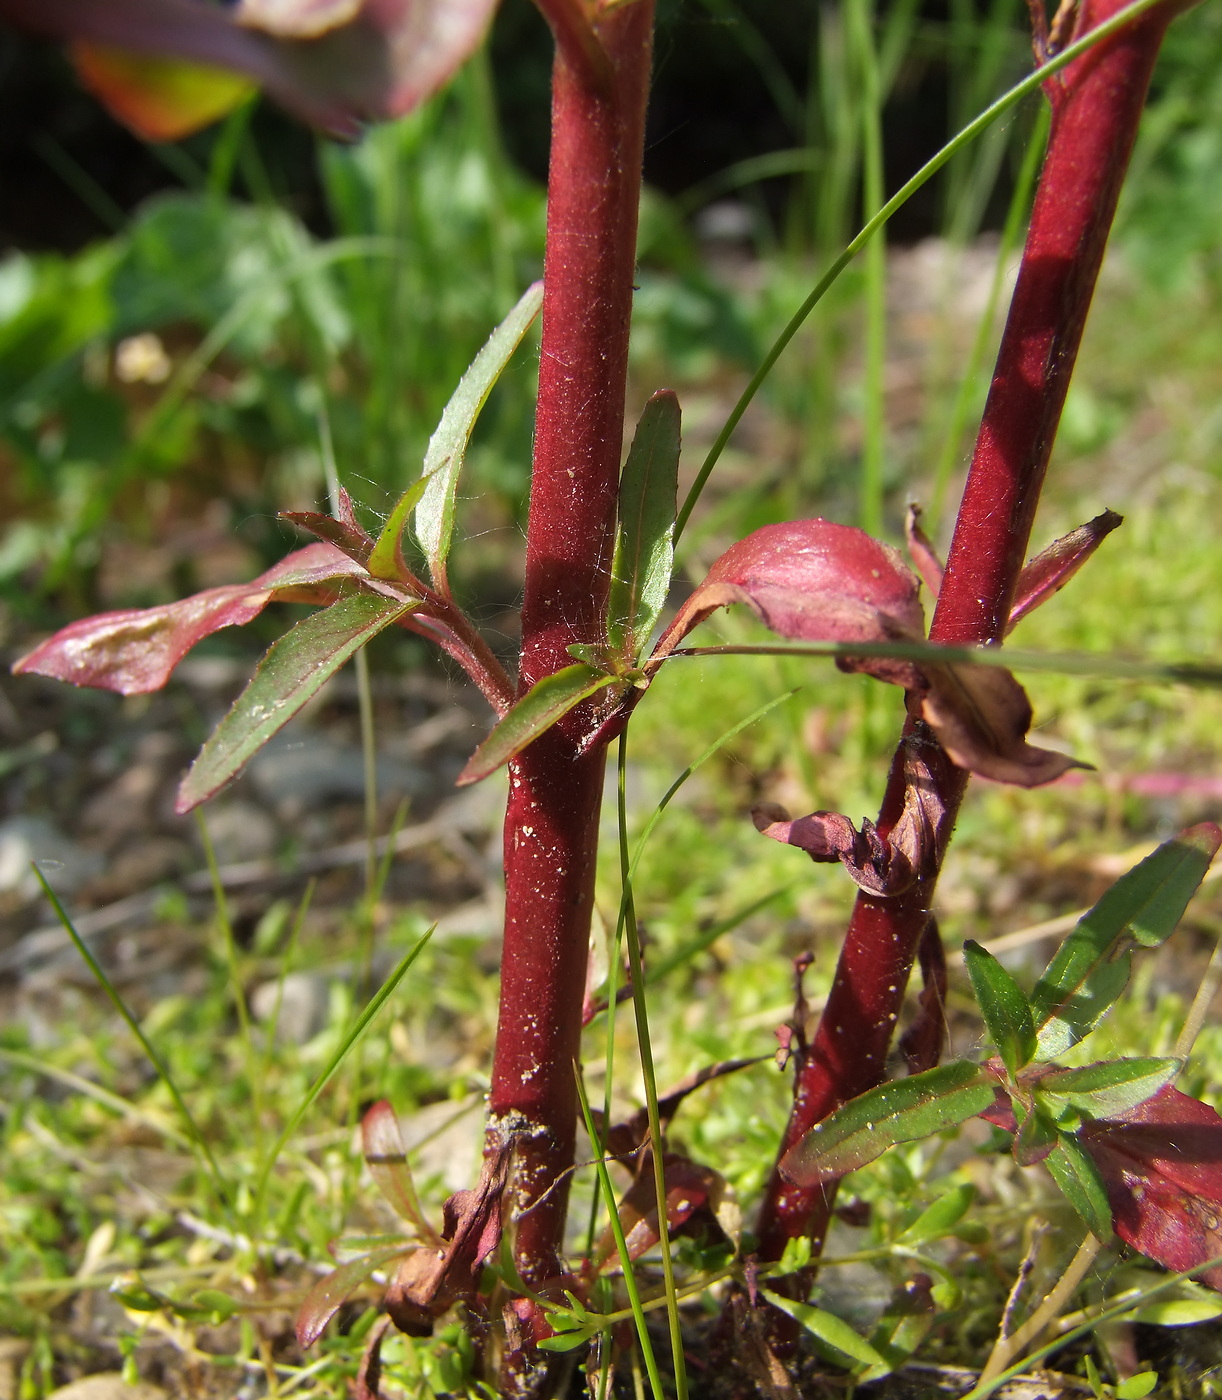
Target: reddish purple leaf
x=345, y=533
x=1050, y=571
x=981, y=716
x=331, y=1291
x=430, y=1280
x=880, y=866
x=922, y=553
x=691, y=1189
x=1162, y=1165
x=135, y=650
x=383, y=60
x=386, y=1158
x=813, y=580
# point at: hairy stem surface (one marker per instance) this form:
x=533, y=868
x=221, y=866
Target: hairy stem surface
x=551, y=824
x=1096, y=105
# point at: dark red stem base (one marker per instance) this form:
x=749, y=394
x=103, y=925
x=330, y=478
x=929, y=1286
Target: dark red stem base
x=1096, y=106
x=555, y=796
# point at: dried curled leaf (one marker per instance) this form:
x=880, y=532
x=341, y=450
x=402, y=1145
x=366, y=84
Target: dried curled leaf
x=133, y=651
x=981, y=716
x=882, y=866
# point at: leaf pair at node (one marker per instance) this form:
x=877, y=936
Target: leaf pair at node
x=1129, y=1152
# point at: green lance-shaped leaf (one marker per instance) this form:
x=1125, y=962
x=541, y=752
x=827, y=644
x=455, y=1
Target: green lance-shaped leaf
x=294, y=669
x=387, y=555
x=644, y=543
x=831, y=1330
x=1091, y=968
x=901, y=1111
x=1109, y=1088
x=447, y=447
x=1006, y=1013
x=543, y=704
x=1075, y=1173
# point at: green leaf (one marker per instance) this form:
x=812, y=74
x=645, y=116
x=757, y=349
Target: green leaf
x=901, y=1111
x=1110, y=1087
x=1137, y=1387
x=1075, y=1173
x=384, y=558
x=1006, y=1012
x=941, y=1217
x=543, y=704
x=1091, y=968
x=1182, y=1306
x=447, y=448
x=644, y=543
x=294, y=669
x=833, y=1331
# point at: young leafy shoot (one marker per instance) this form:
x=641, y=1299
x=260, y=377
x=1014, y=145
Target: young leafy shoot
x=902, y=1111
x=386, y=557
x=1007, y=1015
x=294, y=669
x=546, y=702
x=644, y=544
x=1091, y=968
x=447, y=449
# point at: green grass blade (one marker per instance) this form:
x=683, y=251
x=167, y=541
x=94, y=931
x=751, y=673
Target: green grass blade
x=645, y=1049
x=199, y=1141
x=617, y=1229
x=355, y=1033
x=1029, y=84
x=1063, y=663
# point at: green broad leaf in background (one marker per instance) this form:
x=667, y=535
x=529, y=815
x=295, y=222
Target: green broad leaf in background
x=1005, y=1009
x=939, y=1218
x=831, y=1330
x=294, y=669
x=644, y=542
x=1075, y=1173
x=387, y=554
x=1181, y=1306
x=901, y=1111
x=1110, y=1087
x=447, y=449
x=1091, y=968
x=543, y=704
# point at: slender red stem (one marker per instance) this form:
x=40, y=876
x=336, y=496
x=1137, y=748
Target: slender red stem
x=1096, y=106
x=551, y=825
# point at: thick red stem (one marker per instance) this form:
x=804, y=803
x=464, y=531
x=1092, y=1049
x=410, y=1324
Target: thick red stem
x=551, y=825
x=1096, y=106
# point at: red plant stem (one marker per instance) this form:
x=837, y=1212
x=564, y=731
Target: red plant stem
x=551, y=824
x=1096, y=106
